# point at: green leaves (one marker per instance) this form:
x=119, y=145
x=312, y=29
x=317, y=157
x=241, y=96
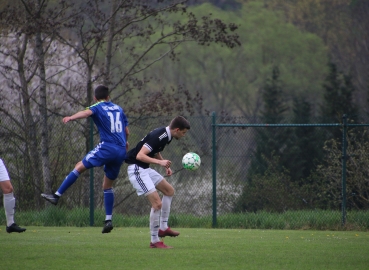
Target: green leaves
x=231, y=78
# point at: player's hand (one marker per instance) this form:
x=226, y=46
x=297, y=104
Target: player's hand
x=66, y=119
x=169, y=171
x=165, y=163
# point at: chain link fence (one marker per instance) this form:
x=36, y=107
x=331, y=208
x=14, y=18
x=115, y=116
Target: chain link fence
x=286, y=177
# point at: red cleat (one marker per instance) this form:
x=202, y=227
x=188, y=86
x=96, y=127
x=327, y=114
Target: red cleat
x=168, y=232
x=159, y=245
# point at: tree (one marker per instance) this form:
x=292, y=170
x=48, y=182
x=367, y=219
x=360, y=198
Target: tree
x=272, y=191
x=34, y=24
x=327, y=186
x=81, y=44
x=232, y=79
x=17, y=75
x=338, y=96
x=305, y=146
x=270, y=142
x=273, y=111
x=284, y=157
x=342, y=25
x=140, y=35
x=338, y=100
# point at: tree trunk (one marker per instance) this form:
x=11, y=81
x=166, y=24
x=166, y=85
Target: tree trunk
x=40, y=54
x=30, y=124
x=109, y=44
x=88, y=133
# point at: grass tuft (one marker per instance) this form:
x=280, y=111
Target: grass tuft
x=289, y=220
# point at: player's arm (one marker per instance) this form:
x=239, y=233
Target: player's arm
x=143, y=156
x=168, y=170
x=79, y=115
x=127, y=135
x=159, y=156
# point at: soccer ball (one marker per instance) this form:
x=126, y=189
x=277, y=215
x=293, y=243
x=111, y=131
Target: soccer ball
x=191, y=161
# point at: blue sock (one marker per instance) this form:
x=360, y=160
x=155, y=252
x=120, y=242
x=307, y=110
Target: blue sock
x=108, y=201
x=68, y=181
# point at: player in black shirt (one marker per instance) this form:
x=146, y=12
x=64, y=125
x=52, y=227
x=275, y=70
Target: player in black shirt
x=147, y=181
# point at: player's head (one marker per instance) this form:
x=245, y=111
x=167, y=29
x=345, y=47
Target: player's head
x=101, y=92
x=179, y=127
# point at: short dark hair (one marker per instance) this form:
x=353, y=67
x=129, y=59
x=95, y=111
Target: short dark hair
x=179, y=122
x=101, y=92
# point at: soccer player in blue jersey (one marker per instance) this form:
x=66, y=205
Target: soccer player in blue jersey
x=113, y=129
x=147, y=181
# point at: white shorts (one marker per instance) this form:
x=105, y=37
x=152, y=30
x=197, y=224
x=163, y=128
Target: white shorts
x=143, y=180
x=3, y=172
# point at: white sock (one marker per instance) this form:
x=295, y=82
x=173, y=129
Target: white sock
x=9, y=205
x=165, y=211
x=154, y=225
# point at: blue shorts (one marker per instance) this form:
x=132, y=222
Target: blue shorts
x=108, y=154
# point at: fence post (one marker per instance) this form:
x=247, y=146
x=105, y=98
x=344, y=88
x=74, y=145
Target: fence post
x=91, y=175
x=214, y=169
x=344, y=146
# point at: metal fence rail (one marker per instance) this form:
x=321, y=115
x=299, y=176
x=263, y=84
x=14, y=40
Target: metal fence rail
x=343, y=125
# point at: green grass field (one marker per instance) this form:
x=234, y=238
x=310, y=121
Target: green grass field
x=128, y=248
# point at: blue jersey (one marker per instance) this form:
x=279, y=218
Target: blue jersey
x=110, y=121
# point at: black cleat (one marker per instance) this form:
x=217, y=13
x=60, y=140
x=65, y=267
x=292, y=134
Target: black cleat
x=107, y=227
x=14, y=228
x=52, y=198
